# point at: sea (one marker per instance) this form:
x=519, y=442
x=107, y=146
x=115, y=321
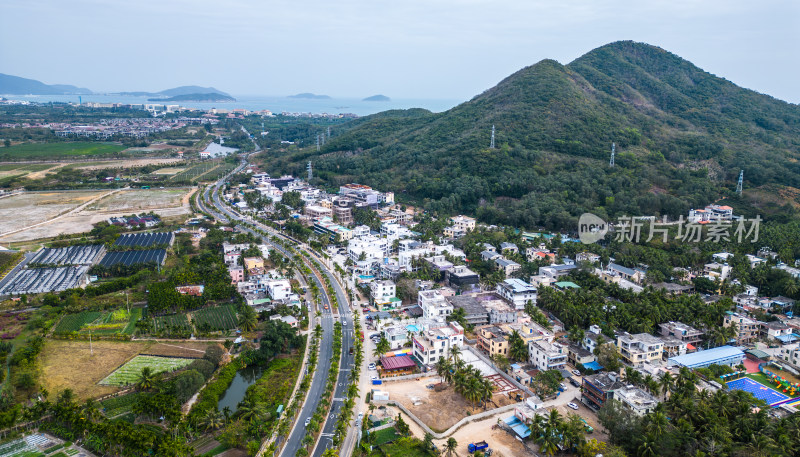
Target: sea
x=276, y=104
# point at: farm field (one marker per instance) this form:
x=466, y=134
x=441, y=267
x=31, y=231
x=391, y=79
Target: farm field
x=44, y=151
x=99, y=323
x=129, y=373
x=29, y=208
x=217, y=318
x=7, y=170
x=176, y=321
x=169, y=171
x=70, y=363
x=115, y=406
x=122, y=164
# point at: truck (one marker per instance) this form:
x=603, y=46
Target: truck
x=479, y=446
x=377, y=382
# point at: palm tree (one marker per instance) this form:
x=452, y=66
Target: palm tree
x=442, y=367
x=517, y=349
x=147, y=379
x=666, y=382
x=487, y=389
x=451, y=446
x=213, y=420
x=248, y=320
x=455, y=352
x=381, y=348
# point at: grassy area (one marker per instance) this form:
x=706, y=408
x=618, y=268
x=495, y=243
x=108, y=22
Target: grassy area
x=383, y=436
x=75, y=365
x=217, y=318
x=119, y=321
x=59, y=150
x=404, y=447
x=115, y=406
x=129, y=373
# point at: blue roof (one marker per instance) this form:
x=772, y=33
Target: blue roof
x=786, y=338
x=593, y=365
x=707, y=357
x=626, y=270
x=519, y=428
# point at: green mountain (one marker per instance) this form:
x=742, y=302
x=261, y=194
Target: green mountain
x=682, y=135
x=22, y=86
x=310, y=96
x=377, y=98
x=178, y=91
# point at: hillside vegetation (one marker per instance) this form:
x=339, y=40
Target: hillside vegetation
x=682, y=136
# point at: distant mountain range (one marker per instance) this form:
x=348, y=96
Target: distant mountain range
x=208, y=97
x=14, y=85
x=682, y=135
x=311, y=96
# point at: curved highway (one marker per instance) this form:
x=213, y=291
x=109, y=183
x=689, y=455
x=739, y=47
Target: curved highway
x=316, y=390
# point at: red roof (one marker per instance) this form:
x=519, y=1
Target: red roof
x=397, y=363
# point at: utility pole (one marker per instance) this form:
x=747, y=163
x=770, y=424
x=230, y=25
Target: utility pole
x=739, y=185
x=329, y=132
x=613, y=151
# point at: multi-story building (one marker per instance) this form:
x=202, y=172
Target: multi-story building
x=370, y=246
x=546, y=356
x=577, y=355
x=382, y=292
x=711, y=213
x=463, y=223
x=600, y=388
x=315, y=211
x=433, y=343
x=492, y=340
x=639, y=348
x=253, y=262
x=435, y=308
x=397, y=336
x=461, y=278
x=517, y=292
x=342, y=212
x=681, y=331
x=508, y=267
x=474, y=312
x=747, y=329
x=636, y=400
x=237, y=274
x=278, y=289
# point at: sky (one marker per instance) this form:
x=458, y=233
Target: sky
x=407, y=49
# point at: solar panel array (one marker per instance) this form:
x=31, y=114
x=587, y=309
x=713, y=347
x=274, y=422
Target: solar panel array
x=72, y=255
x=129, y=258
x=40, y=280
x=145, y=239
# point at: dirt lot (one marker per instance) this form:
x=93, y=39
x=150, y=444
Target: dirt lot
x=164, y=202
x=70, y=364
x=128, y=163
x=439, y=410
x=23, y=210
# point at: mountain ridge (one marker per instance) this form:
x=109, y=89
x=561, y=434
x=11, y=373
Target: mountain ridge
x=682, y=135
x=16, y=85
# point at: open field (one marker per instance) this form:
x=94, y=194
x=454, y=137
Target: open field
x=129, y=373
x=139, y=200
x=69, y=364
x=22, y=210
x=131, y=163
x=27, y=209
x=169, y=171
x=440, y=410
x=44, y=151
x=218, y=317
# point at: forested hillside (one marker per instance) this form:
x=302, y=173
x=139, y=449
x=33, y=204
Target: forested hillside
x=682, y=136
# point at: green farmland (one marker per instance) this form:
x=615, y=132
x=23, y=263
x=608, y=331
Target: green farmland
x=42, y=151
x=129, y=373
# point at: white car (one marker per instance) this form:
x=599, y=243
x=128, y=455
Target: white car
x=371, y=366
x=576, y=372
x=373, y=378
x=308, y=421
x=360, y=416
x=572, y=405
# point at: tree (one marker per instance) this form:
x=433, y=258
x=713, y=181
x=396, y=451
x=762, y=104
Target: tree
x=214, y=354
x=518, y=350
x=451, y=446
x=146, y=379
x=607, y=356
x=455, y=352
x=382, y=347
x=248, y=319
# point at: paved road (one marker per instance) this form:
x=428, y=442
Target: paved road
x=316, y=390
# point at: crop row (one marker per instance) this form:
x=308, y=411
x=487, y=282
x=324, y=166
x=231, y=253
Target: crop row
x=74, y=322
x=218, y=318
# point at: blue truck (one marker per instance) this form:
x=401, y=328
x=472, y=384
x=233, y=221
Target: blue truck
x=479, y=446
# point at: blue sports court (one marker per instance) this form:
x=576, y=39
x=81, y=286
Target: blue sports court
x=760, y=391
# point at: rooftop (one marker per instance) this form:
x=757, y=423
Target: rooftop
x=707, y=356
x=397, y=363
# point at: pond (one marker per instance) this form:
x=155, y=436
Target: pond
x=244, y=378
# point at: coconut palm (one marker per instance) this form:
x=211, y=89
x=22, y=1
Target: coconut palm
x=248, y=320
x=517, y=349
x=667, y=381
x=381, y=348
x=451, y=446
x=147, y=379
x=212, y=420
x=455, y=352
x=442, y=367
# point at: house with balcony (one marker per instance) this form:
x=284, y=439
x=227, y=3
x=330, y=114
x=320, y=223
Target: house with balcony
x=681, y=331
x=747, y=328
x=599, y=388
x=492, y=340
x=545, y=355
x=461, y=278
x=517, y=292
x=639, y=348
x=429, y=345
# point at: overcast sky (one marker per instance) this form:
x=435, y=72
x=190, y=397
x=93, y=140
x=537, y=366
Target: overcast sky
x=447, y=49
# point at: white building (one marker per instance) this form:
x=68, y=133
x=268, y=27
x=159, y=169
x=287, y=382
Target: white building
x=545, y=355
x=463, y=223
x=435, y=308
x=434, y=343
x=371, y=246
x=636, y=400
x=383, y=291
x=278, y=289
x=517, y=292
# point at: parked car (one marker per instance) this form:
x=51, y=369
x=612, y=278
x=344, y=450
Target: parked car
x=360, y=416
x=576, y=372
x=375, y=378
x=572, y=405
x=574, y=382
x=308, y=421
x=371, y=366
x=562, y=386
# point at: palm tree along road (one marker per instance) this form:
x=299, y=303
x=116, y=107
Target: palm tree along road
x=317, y=388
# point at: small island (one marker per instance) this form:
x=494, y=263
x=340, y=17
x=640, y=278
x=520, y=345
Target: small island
x=209, y=97
x=309, y=95
x=377, y=98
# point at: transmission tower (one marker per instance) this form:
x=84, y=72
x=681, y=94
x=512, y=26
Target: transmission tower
x=613, y=151
x=317, y=142
x=310, y=174
x=740, y=183
x=329, y=132
x=491, y=145
x=323, y=138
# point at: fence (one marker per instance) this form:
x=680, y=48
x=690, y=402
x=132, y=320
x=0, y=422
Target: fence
x=502, y=373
